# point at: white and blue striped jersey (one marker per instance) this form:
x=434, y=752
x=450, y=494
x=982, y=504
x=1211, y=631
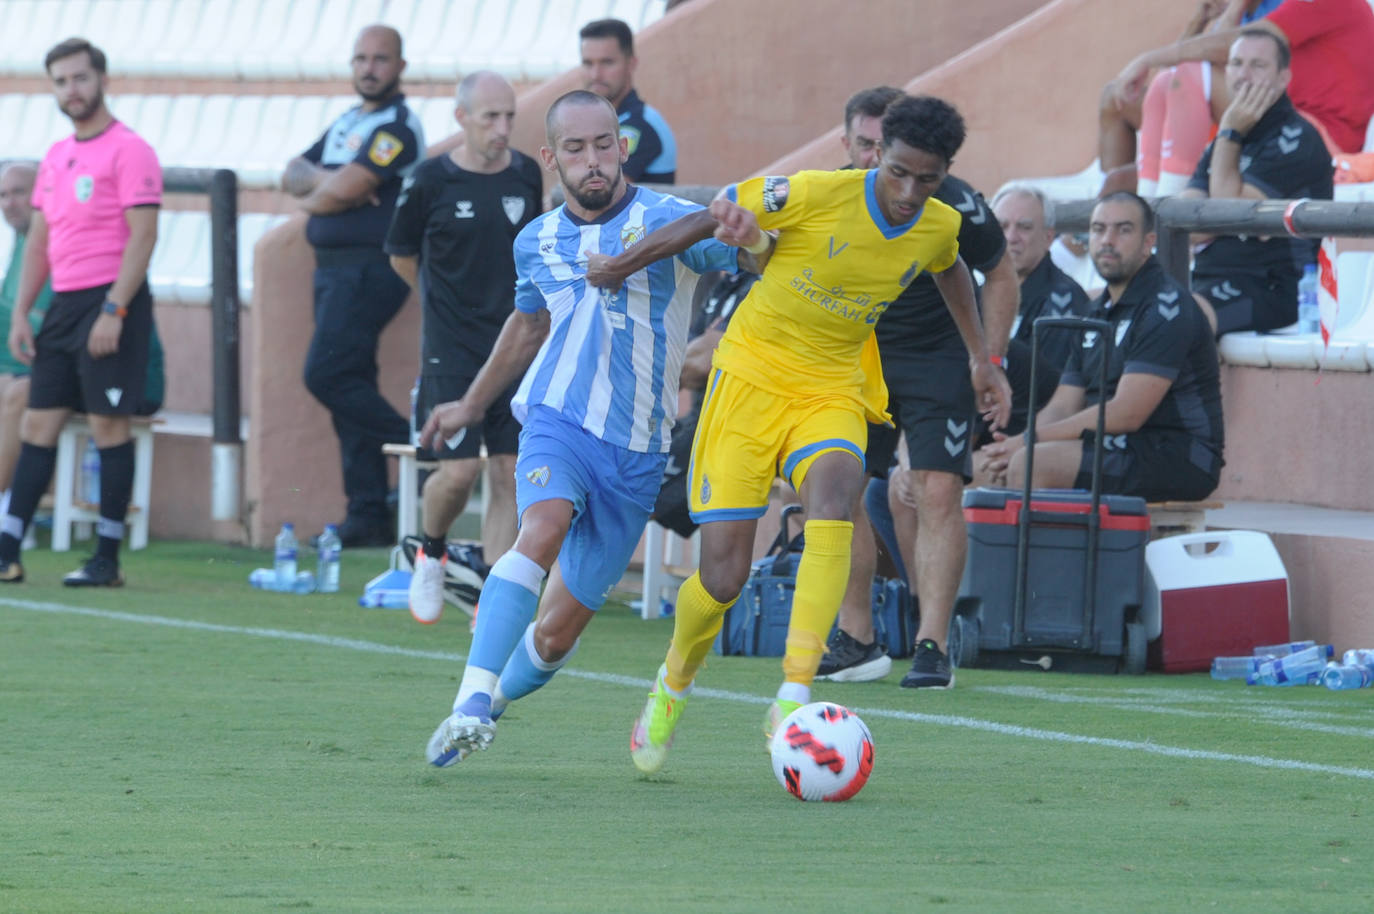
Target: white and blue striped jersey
x=612, y=360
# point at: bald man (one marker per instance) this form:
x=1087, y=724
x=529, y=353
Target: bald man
x=451, y=239
x=349, y=182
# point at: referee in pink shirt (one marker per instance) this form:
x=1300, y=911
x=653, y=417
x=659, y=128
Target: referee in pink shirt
x=94, y=226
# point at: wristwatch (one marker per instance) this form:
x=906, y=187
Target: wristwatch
x=1232, y=134
x=119, y=311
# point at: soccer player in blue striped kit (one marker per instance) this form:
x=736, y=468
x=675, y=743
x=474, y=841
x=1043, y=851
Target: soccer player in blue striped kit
x=597, y=404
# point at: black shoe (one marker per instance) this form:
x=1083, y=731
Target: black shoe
x=362, y=532
x=97, y=572
x=929, y=668
x=849, y=660
x=11, y=572
x=464, y=573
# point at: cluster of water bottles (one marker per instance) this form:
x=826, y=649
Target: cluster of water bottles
x=285, y=574
x=1299, y=663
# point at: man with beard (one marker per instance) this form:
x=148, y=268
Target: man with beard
x=92, y=232
x=348, y=182
x=608, y=68
x=451, y=239
x=1163, y=425
x=597, y=404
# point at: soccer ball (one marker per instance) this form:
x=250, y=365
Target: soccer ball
x=822, y=751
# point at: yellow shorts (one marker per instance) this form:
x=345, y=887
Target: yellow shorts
x=747, y=436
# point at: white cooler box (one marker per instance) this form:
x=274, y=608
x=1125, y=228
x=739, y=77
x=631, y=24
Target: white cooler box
x=1213, y=594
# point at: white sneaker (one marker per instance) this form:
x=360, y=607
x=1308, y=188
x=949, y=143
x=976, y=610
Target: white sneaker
x=427, y=589
x=468, y=729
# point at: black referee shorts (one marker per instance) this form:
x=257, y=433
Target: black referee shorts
x=64, y=375
x=499, y=430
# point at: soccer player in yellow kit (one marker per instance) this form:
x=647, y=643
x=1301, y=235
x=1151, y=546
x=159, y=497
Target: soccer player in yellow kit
x=796, y=377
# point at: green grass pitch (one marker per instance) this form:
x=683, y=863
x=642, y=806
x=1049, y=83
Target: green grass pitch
x=190, y=744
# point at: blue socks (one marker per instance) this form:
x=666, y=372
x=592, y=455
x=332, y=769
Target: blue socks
x=510, y=598
x=526, y=671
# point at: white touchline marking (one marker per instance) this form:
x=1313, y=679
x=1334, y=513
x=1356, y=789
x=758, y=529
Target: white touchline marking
x=1269, y=716
x=946, y=720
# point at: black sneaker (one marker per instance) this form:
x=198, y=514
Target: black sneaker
x=929, y=668
x=97, y=572
x=11, y=572
x=849, y=660
x=359, y=533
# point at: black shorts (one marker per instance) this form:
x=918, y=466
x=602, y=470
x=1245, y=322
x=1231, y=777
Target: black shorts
x=499, y=431
x=64, y=375
x=1154, y=465
x=932, y=394
x=1248, y=302
x=882, y=445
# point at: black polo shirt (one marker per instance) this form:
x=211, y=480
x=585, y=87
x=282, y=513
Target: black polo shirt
x=918, y=321
x=462, y=225
x=387, y=142
x=1049, y=292
x=1159, y=331
x=1284, y=157
x=652, y=148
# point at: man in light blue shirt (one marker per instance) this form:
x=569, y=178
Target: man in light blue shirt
x=597, y=404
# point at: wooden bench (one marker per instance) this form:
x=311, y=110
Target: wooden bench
x=69, y=511
x=1170, y=518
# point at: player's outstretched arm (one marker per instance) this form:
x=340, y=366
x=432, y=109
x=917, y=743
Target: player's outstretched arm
x=989, y=382
x=672, y=239
x=524, y=332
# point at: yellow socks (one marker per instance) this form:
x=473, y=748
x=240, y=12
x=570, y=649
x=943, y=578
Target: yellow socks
x=696, y=621
x=821, y=579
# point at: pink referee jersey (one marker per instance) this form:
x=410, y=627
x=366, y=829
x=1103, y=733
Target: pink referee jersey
x=83, y=189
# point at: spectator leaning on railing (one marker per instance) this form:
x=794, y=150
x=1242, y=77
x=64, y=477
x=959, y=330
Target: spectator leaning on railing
x=1264, y=148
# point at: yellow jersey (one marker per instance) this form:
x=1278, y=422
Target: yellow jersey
x=806, y=327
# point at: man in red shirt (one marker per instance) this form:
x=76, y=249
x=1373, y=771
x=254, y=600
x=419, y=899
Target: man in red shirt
x=94, y=226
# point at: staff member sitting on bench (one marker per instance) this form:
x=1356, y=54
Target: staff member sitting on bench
x=1163, y=431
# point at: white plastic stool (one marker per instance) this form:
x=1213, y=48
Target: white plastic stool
x=67, y=511
x=408, y=488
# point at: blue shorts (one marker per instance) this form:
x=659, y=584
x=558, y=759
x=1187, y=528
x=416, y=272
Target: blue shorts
x=612, y=491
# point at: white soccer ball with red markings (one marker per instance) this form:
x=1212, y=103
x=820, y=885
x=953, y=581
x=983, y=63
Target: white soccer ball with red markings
x=822, y=751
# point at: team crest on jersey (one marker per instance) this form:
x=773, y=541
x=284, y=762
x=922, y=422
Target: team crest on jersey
x=384, y=149
x=705, y=490
x=539, y=476
x=910, y=273
x=1089, y=339
x=84, y=187
x=631, y=235
x=631, y=135
x=775, y=189
x=514, y=207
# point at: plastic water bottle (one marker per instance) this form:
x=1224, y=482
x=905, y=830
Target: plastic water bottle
x=1339, y=676
x=1235, y=667
x=414, y=414
x=90, y=473
x=1309, y=311
x=284, y=558
x=327, y=570
x=266, y=579
x=1358, y=657
x=1295, y=669
x=1283, y=650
